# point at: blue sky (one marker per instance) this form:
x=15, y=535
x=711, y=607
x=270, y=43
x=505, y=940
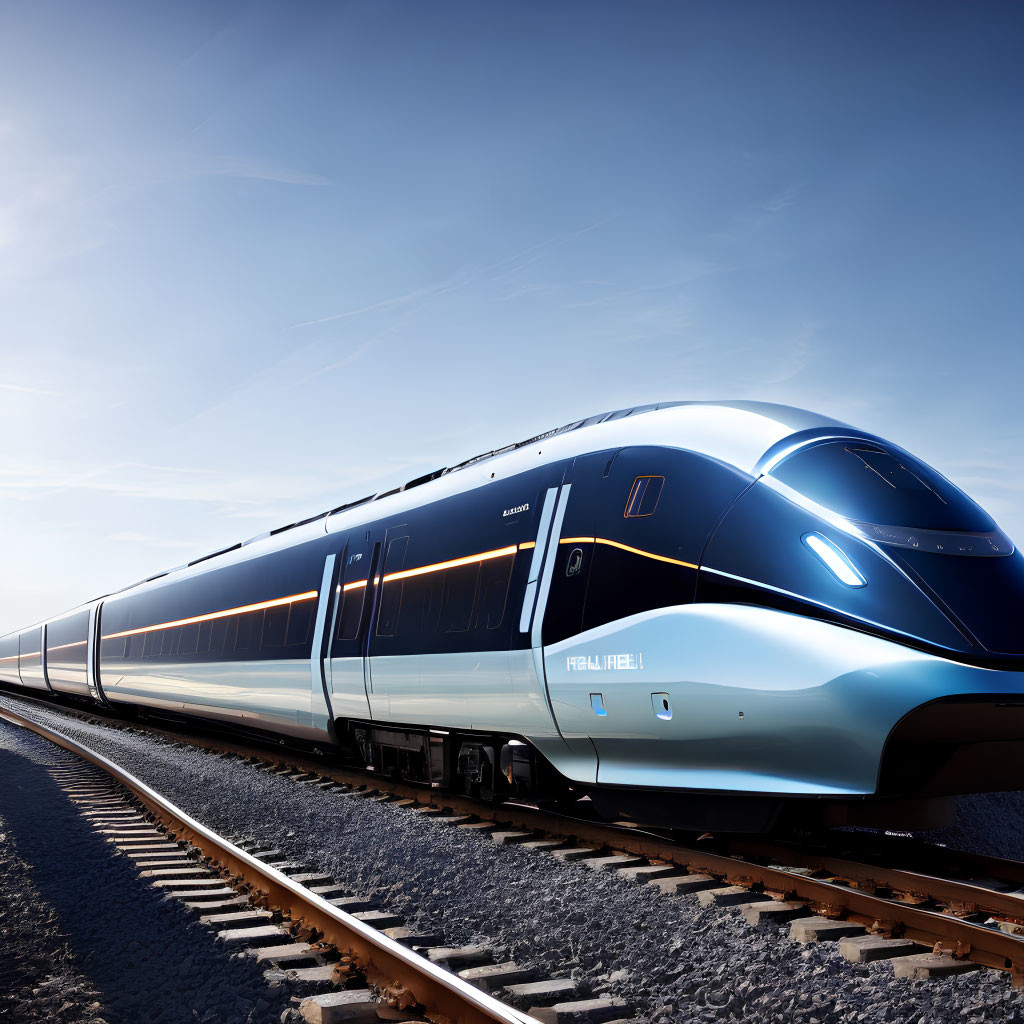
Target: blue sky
x=256, y=259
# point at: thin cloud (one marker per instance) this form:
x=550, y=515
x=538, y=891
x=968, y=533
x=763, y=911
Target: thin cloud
x=234, y=167
x=547, y=243
x=25, y=390
x=131, y=537
x=521, y=293
x=782, y=200
x=395, y=302
x=135, y=480
x=794, y=357
x=494, y=271
x=354, y=355
x=179, y=165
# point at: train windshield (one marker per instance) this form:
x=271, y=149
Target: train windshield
x=893, y=498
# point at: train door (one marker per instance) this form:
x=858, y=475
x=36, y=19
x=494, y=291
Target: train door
x=345, y=659
x=625, y=677
x=394, y=672
x=446, y=645
x=562, y=600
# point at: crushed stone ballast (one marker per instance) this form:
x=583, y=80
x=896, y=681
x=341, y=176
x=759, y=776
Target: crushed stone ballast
x=865, y=921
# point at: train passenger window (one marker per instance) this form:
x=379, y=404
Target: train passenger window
x=299, y=622
x=391, y=590
x=460, y=589
x=352, y=597
x=275, y=624
x=203, y=640
x=428, y=592
x=218, y=635
x=353, y=591
x=189, y=639
x=153, y=641
x=116, y=648
x=170, y=647
x=496, y=575
x=643, y=496
x=250, y=626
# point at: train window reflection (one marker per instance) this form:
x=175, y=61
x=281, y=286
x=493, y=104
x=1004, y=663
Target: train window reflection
x=459, y=597
x=218, y=635
x=203, y=641
x=891, y=470
x=391, y=591
x=152, y=643
x=189, y=639
x=869, y=483
x=299, y=621
x=494, y=587
x=643, y=496
x=274, y=625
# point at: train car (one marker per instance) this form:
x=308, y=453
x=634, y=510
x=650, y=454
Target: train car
x=696, y=614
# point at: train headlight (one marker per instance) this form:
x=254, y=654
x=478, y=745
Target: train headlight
x=835, y=560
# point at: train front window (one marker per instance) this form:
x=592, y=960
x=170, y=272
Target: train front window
x=892, y=498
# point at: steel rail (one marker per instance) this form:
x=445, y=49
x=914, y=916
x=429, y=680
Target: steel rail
x=986, y=946
x=962, y=897
x=406, y=977
x=937, y=858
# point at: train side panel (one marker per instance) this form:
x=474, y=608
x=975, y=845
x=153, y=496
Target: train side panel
x=9, y=659
x=30, y=659
x=67, y=650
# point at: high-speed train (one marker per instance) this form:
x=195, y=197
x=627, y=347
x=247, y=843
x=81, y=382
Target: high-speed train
x=695, y=613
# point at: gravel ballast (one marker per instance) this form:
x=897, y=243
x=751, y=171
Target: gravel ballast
x=664, y=955
x=82, y=936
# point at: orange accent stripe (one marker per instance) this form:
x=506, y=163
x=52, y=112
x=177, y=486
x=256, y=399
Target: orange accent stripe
x=527, y=544
x=626, y=547
x=10, y=657
x=453, y=563
x=62, y=647
x=309, y=595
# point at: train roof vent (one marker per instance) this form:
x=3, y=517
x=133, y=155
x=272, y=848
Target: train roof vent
x=214, y=554
x=425, y=479
x=301, y=522
x=351, y=504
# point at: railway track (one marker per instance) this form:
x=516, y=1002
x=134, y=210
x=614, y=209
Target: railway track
x=945, y=913
x=294, y=922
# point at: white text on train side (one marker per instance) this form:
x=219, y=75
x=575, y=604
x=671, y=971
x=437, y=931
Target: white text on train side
x=515, y=511
x=605, y=662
